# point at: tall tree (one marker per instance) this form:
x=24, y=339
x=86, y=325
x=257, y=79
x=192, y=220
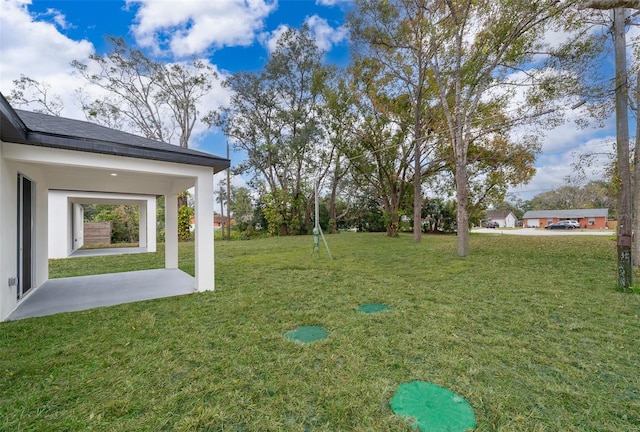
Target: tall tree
x=381, y=152
x=160, y=101
x=477, y=44
x=395, y=34
x=456, y=57
x=157, y=100
x=338, y=117
x=241, y=207
x=273, y=116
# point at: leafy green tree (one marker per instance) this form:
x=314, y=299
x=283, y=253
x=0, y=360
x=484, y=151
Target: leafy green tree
x=439, y=215
x=338, y=116
x=365, y=214
x=468, y=49
x=595, y=194
x=124, y=221
x=276, y=210
x=478, y=43
x=380, y=153
x=273, y=117
x=394, y=33
x=242, y=207
x=185, y=214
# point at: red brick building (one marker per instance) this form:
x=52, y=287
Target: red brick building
x=587, y=218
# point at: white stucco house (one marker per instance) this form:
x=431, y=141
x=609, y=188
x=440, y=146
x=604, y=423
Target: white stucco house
x=504, y=219
x=66, y=218
x=41, y=153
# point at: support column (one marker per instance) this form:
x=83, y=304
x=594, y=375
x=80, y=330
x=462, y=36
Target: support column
x=77, y=227
x=205, y=274
x=142, y=226
x=151, y=225
x=171, y=231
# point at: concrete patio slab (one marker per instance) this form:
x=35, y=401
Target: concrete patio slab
x=87, y=292
x=106, y=251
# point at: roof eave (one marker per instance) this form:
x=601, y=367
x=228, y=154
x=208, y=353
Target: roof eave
x=110, y=148
x=18, y=130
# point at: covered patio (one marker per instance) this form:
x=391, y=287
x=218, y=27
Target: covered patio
x=40, y=153
x=88, y=292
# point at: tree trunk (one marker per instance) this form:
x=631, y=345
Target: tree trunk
x=636, y=180
x=392, y=229
x=462, y=213
x=417, y=166
x=332, y=208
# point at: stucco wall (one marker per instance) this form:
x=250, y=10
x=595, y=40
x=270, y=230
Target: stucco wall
x=51, y=168
x=8, y=228
x=64, y=238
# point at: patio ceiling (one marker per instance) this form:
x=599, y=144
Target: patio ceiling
x=79, y=171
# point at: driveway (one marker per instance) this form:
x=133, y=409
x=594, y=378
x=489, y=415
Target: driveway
x=542, y=231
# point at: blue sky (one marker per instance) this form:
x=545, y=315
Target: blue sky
x=40, y=38
x=93, y=19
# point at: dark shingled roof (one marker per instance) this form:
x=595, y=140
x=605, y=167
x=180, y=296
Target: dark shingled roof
x=25, y=127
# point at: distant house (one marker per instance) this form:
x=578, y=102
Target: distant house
x=221, y=221
x=504, y=219
x=587, y=218
x=218, y=221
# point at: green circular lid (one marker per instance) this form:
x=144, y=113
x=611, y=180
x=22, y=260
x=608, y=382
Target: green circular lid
x=307, y=334
x=373, y=307
x=433, y=408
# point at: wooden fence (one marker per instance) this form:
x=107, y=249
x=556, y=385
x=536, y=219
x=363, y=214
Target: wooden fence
x=97, y=233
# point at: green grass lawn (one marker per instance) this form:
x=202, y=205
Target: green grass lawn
x=530, y=330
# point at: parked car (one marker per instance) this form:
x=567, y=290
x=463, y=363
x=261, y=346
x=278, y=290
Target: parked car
x=575, y=223
x=493, y=224
x=563, y=224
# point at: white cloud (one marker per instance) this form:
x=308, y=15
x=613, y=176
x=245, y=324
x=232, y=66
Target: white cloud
x=332, y=2
x=562, y=149
x=193, y=27
x=35, y=48
x=270, y=39
x=325, y=35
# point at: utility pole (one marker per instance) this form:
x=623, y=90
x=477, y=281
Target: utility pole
x=625, y=263
x=222, y=209
x=624, y=241
x=228, y=198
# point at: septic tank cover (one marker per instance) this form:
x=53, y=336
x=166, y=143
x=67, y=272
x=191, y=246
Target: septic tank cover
x=434, y=408
x=307, y=334
x=373, y=307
